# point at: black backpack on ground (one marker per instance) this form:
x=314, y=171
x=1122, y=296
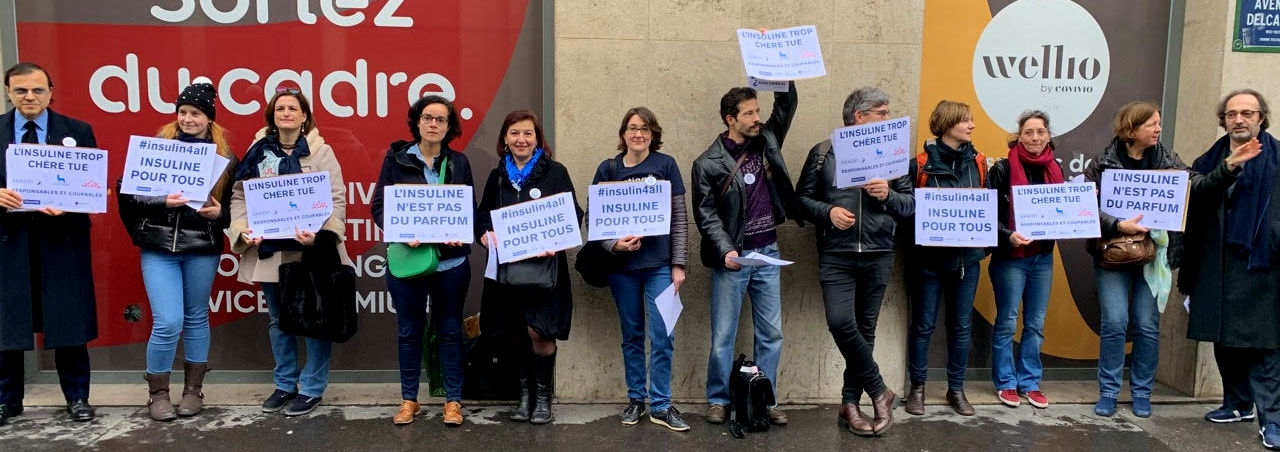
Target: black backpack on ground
x=750, y=396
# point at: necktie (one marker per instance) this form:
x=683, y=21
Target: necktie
x=30, y=136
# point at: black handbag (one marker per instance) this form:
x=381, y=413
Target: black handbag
x=536, y=272
x=318, y=294
x=595, y=264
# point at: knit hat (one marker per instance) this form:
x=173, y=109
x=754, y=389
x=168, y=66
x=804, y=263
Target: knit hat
x=201, y=96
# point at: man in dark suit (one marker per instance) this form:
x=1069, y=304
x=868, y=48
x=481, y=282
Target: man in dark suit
x=46, y=270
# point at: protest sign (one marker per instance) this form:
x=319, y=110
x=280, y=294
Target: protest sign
x=620, y=209
x=219, y=167
x=278, y=205
x=529, y=228
x=1056, y=211
x=428, y=213
x=64, y=178
x=1160, y=196
x=159, y=167
x=782, y=54
x=871, y=151
x=956, y=217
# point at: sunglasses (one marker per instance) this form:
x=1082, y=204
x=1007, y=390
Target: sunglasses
x=284, y=90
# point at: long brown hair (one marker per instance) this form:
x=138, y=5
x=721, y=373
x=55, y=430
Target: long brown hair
x=218, y=136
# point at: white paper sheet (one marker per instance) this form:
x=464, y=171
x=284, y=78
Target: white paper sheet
x=219, y=165
x=669, y=306
x=491, y=268
x=758, y=259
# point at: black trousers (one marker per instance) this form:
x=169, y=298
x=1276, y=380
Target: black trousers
x=73, y=374
x=853, y=286
x=1250, y=376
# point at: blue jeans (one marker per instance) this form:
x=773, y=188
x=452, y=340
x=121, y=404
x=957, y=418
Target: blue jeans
x=764, y=283
x=956, y=289
x=178, y=286
x=1019, y=283
x=312, y=379
x=634, y=291
x=1125, y=300
x=447, y=293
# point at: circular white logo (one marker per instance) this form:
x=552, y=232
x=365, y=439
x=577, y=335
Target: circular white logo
x=1048, y=55
x=749, y=178
x=650, y=181
x=69, y=142
x=535, y=193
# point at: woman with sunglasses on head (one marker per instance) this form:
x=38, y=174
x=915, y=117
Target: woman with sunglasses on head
x=180, y=249
x=289, y=144
x=428, y=159
x=533, y=318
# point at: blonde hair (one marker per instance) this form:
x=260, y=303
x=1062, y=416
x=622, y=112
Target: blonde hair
x=218, y=135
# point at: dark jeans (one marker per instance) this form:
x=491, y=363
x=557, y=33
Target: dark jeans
x=447, y=293
x=73, y=374
x=930, y=291
x=1250, y=376
x=853, y=286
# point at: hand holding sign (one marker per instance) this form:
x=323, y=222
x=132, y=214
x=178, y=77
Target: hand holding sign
x=10, y=199
x=1130, y=226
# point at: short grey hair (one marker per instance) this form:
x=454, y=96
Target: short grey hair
x=863, y=99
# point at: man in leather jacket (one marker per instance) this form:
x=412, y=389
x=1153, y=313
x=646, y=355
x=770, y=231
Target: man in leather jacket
x=855, y=238
x=741, y=194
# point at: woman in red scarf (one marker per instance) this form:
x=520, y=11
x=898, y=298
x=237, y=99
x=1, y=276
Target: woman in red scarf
x=1021, y=269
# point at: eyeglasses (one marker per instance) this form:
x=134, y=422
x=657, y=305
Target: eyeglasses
x=287, y=90
x=22, y=92
x=881, y=112
x=442, y=120
x=644, y=130
x=1246, y=114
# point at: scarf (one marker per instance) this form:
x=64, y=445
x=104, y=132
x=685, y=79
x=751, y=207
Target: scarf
x=1157, y=274
x=267, y=150
x=1247, y=233
x=1019, y=158
x=517, y=176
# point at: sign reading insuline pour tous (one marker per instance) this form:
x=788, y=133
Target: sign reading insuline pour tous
x=871, y=151
x=1160, y=196
x=956, y=217
x=1056, y=211
x=67, y=179
x=428, y=213
x=530, y=228
x=159, y=167
x=280, y=206
x=616, y=210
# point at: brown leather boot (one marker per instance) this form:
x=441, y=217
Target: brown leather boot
x=159, y=405
x=851, y=418
x=883, y=407
x=959, y=402
x=914, y=404
x=192, y=389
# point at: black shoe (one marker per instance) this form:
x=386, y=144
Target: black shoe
x=7, y=411
x=302, y=405
x=80, y=410
x=634, y=411
x=277, y=401
x=670, y=418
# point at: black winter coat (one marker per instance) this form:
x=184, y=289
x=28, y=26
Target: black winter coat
x=1163, y=159
x=875, y=221
x=948, y=168
x=399, y=167
x=998, y=180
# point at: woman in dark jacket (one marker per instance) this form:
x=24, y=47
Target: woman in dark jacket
x=532, y=318
x=1021, y=269
x=180, y=248
x=433, y=122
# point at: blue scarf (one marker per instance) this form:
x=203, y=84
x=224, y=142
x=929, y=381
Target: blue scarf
x=516, y=175
x=1247, y=233
x=289, y=163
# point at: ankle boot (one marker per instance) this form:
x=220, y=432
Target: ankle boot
x=882, y=406
x=544, y=376
x=914, y=404
x=159, y=405
x=524, y=404
x=192, y=389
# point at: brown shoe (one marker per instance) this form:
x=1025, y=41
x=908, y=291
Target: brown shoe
x=851, y=418
x=715, y=414
x=914, y=403
x=193, y=389
x=959, y=402
x=158, y=404
x=408, y=409
x=777, y=416
x=453, y=413
x=883, y=407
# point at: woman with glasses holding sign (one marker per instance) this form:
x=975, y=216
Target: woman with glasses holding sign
x=1021, y=268
x=531, y=302
x=180, y=249
x=643, y=267
x=428, y=159
x=289, y=144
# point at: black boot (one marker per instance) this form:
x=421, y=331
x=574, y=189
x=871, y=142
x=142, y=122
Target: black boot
x=524, y=405
x=544, y=376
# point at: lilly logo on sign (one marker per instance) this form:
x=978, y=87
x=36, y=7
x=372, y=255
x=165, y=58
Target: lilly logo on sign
x=1023, y=61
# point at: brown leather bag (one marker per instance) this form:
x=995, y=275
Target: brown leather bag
x=1126, y=251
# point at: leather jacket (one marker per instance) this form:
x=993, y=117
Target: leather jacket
x=399, y=167
x=153, y=226
x=875, y=221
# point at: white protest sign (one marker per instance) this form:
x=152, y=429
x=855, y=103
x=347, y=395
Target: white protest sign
x=782, y=54
x=158, y=167
x=219, y=166
x=529, y=228
x=279, y=205
x=777, y=86
x=428, y=213
x=871, y=151
x=620, y=209
x=1160, y=196
x=1056, y=211
x=964, y=217
x=64, y=178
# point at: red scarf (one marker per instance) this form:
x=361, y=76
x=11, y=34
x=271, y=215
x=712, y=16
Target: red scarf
x=1018, y=158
